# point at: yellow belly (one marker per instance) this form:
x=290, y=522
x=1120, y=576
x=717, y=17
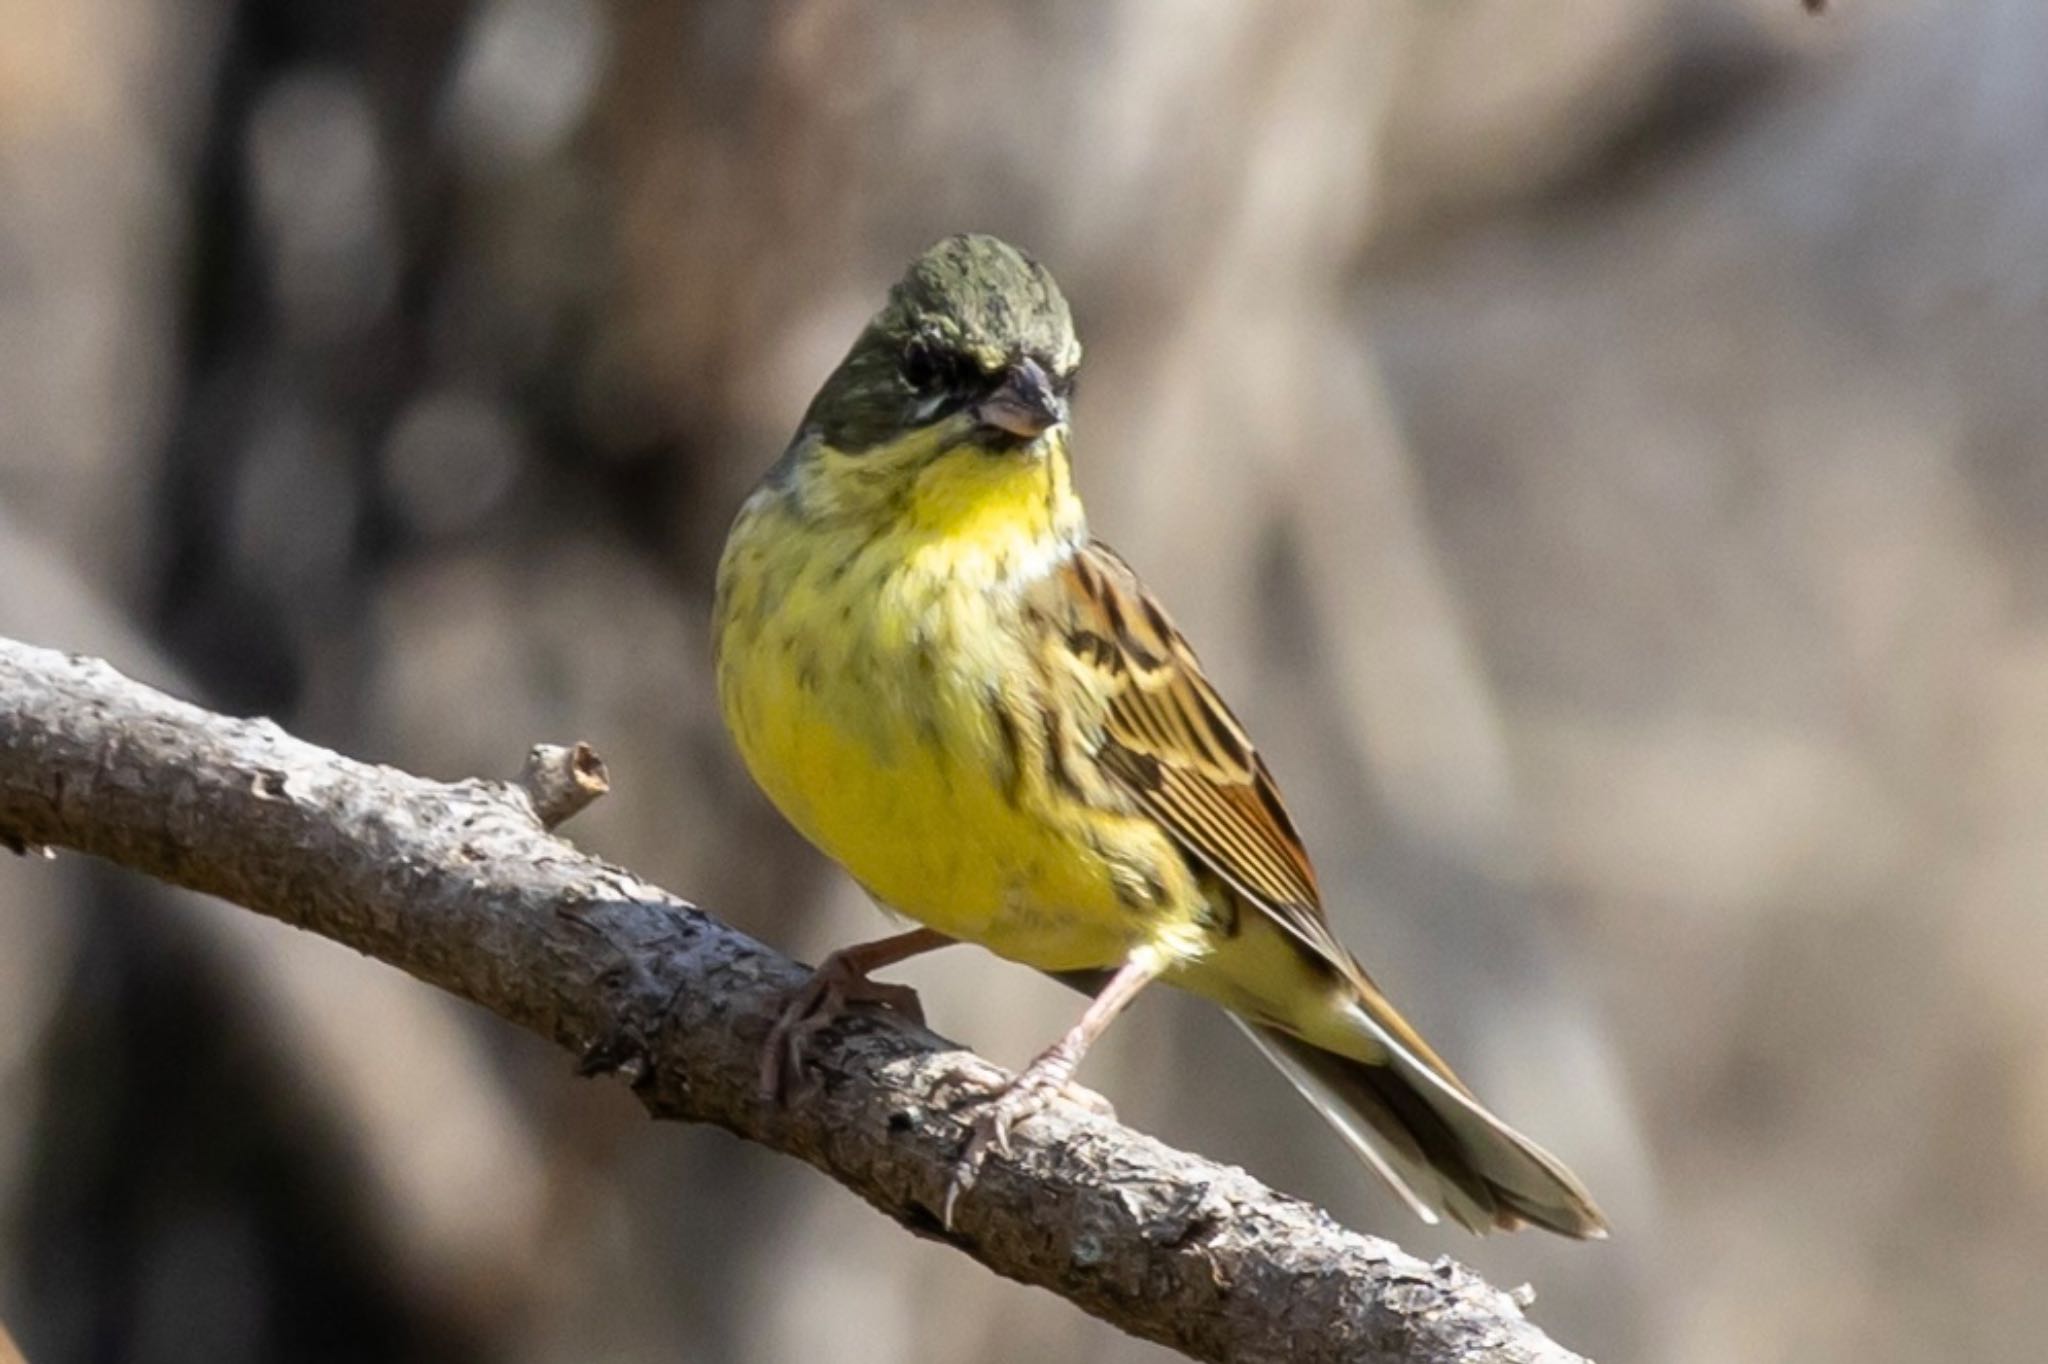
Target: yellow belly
x=936, y=841
x=873, y=730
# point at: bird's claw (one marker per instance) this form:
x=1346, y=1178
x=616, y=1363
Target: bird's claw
x=831, y=990
x=1002, y=1107
x=1083, y=1097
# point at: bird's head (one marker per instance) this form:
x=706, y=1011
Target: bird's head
x=974, y=353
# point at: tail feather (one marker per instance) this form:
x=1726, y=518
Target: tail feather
x=1391, y=1098
x=1403, y=1167
x=1430, y=1141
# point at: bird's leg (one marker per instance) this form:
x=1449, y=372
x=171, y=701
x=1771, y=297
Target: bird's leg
x=841, y=980
x=1038, y=1083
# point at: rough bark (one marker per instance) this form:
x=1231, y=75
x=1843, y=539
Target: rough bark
x=462, y=886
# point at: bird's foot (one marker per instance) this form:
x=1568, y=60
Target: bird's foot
x=1004, y=1105
x=837, y=985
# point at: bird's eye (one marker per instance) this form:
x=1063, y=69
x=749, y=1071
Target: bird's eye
x=925, y=367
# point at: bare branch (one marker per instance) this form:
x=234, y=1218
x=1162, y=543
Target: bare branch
x=463, y=887
x=560, y=782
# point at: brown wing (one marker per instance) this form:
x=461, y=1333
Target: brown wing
x=1176, y=749
x=1173, y=744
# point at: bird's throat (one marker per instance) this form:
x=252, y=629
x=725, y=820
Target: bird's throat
x=988, y=514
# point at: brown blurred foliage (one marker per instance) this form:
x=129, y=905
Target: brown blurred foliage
x=1597, y=454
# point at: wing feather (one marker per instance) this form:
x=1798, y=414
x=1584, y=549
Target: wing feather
x=1173, y=745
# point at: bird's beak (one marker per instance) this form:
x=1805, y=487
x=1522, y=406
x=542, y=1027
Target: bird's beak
x=1024, y=404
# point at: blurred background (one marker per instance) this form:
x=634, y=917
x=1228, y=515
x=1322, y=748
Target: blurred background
x=1599, y=455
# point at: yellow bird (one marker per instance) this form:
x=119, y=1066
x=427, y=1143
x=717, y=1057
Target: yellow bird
x=981, y=714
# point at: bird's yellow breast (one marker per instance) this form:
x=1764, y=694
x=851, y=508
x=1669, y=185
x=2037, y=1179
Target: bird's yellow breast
x=886, y=692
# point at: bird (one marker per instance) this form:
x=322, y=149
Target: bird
x=978, y=710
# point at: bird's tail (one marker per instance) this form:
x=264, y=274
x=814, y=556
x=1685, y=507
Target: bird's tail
x=1411, y=1120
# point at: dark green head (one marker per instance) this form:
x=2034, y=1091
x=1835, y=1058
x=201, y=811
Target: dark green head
x=974, y=327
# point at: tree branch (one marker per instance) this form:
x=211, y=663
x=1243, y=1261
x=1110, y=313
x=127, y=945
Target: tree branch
x=462, y=886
